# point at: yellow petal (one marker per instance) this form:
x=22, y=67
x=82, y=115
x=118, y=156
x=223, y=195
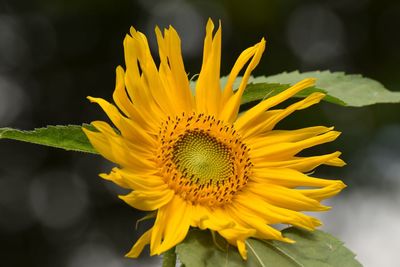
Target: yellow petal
x=287, y=150
x=231, y=109
x=273, y=214
x=176, y=224
x=249, y=220
x=242, y=249
x=139, y=149
x=139, y=245
x=208, y=91
x=284, y=136
x=172, y=71
x=250, y=129
x=114, y=149
x=250, y=115
x=130, y=109
x=237, y=233
x=128, y=128
x=158, y=230
x=287, y=178
x=150, y=78
x=136, y=85
x=214, y=219
x=325, y=192
x=135, y=181
x=149, y=201
x=286, y=198
x=305, y=164
x=243, y=58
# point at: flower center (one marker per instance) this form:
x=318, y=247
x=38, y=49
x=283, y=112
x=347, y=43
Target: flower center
x=202, y=159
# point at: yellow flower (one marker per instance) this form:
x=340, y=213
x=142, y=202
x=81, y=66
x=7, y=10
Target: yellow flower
x=195, y=161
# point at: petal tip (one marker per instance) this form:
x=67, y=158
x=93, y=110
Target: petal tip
x=288, y=240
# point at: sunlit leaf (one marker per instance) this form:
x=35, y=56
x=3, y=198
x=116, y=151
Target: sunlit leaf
x=350, y=89
x=312, y=249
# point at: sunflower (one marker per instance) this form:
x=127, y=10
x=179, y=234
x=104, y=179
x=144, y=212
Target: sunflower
x=196, y=162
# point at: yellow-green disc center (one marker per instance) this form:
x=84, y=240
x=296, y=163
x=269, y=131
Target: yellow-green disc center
x=202, y=158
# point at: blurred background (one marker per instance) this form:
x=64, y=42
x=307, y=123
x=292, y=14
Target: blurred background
x=56, y=211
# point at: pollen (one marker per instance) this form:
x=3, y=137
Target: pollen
x=203, y=159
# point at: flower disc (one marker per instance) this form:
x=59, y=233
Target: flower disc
x=203, y=159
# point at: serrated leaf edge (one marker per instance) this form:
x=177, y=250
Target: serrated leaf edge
x=31, y=132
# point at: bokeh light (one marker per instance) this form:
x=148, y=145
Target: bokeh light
x=316, y=35
x=58, y=199
x=12, y=100
x=16, y=215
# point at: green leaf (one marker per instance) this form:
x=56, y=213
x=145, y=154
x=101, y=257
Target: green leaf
x=69, y=137
x=199, y=250
x=350, y=89
x=260, y=91
x=312, y=249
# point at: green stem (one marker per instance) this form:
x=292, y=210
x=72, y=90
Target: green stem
x=169, y=258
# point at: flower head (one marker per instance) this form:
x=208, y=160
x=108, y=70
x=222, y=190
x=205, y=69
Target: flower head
x=191, y=158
